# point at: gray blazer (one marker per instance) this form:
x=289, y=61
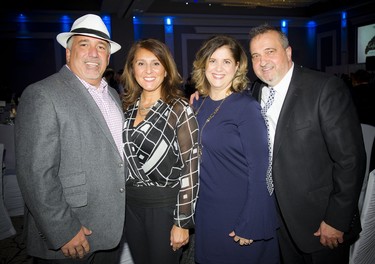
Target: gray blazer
x=68, y=167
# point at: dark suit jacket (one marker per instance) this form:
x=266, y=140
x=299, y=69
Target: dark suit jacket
x=319, y=157
x=69, y=169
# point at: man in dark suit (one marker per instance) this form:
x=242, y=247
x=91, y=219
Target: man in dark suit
x=70, y=165
x=318, y=153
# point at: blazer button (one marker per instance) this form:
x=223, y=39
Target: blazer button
x=122, y=190
x=121, y=165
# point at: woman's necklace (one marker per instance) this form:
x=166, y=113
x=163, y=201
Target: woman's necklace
x=142, y=110
x=208, y=120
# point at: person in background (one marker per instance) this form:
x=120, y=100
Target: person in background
x=161, y=145
x=120, y=85
x=363, y=94
x=318, y=152
x=110, y=77
x=236, y=219
x=70, y=166
x=189, y=87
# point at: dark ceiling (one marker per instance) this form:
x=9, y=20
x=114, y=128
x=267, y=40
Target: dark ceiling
x=124, y=8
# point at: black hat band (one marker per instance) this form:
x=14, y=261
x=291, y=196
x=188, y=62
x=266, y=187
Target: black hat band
x=91, y=31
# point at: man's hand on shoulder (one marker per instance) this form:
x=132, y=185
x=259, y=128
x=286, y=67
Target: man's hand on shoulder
x=193, y=97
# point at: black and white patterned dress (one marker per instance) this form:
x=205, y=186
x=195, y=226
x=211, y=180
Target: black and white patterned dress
x=162, y=152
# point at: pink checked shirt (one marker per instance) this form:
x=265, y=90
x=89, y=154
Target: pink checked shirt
x=109, y=109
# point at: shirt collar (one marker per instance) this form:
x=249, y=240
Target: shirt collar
x=282, y=86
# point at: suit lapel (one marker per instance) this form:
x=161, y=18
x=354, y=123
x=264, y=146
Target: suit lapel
x=256, y=90
x=89, y=103
x=287, y=109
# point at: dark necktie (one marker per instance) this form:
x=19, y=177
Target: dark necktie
x=264, y=110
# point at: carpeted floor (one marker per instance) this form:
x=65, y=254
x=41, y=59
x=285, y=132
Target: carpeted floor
x=12, y=249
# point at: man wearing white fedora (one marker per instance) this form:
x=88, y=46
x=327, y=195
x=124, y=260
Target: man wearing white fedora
x=70, y=165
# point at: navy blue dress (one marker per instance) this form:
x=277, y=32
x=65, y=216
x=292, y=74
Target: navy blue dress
x=233, y=194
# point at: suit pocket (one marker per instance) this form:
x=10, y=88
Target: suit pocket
x=75, y=189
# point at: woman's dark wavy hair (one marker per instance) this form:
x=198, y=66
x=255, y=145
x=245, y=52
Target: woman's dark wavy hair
x=240, y=80
x=171, y=86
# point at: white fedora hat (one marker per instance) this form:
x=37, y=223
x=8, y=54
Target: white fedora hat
x=88, y=25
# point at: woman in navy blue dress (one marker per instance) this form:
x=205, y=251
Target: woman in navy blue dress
x=236, y=218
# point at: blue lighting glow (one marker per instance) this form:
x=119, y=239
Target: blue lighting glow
x=168, y=21
x=168, y=29
x=311, y=24
x=136, y=20
x=343, y=23
x=284, y=26
x=343, y=15
x=137, y=28
x=168, y=25
x=311, y=34
x=65, y=23
x=22, y=22
x=21, y=18
x=343, y=19
x=65, y=19
x=107, y=22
